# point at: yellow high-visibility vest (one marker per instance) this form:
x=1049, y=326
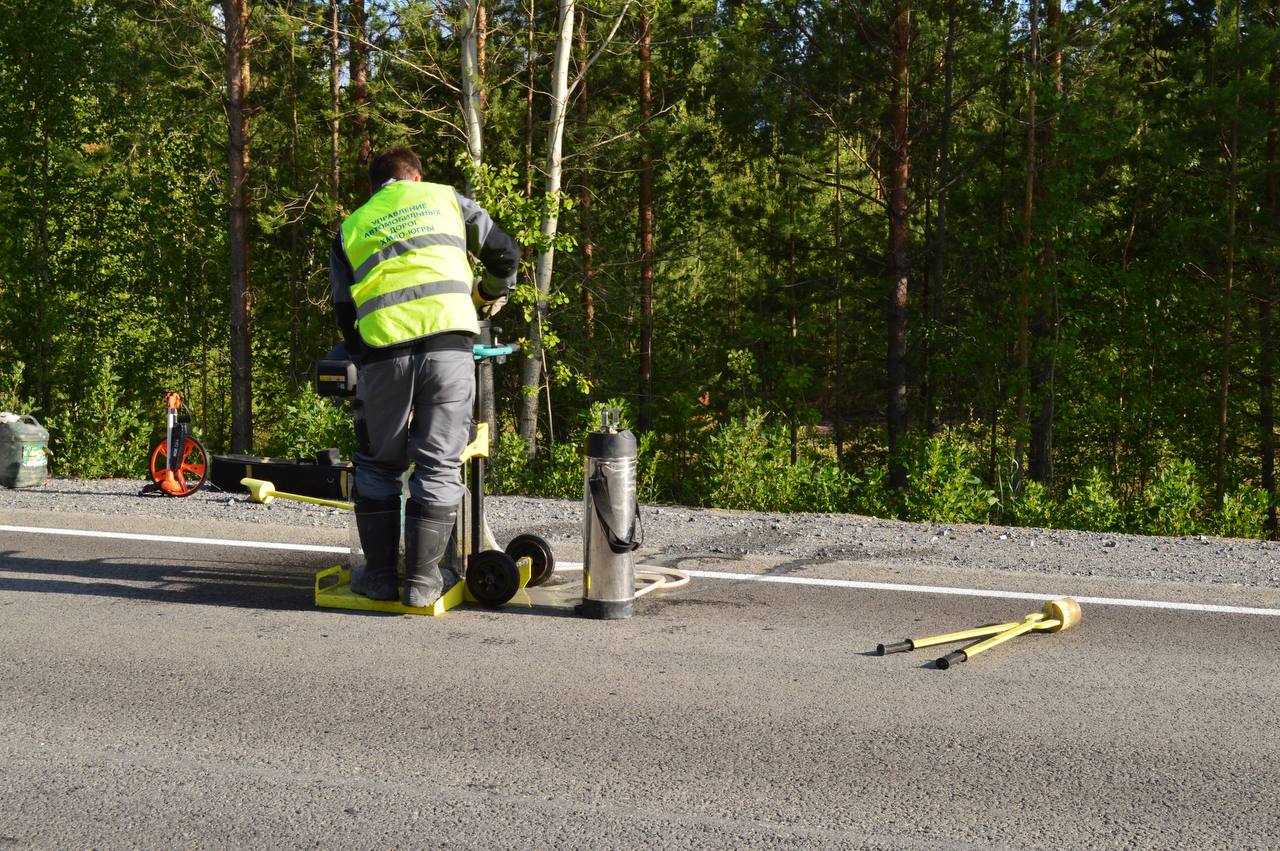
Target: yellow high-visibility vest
x=408, y=249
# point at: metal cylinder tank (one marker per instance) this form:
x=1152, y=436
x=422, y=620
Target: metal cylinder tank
x=609, y=524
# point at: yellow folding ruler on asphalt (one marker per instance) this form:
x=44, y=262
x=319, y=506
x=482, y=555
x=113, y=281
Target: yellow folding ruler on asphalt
x=1057, y=615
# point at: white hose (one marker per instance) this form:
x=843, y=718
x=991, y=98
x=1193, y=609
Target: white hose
x=659, y=578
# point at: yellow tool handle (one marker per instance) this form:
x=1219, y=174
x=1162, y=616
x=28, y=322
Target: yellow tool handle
x=314, y=500
x=338, y=574
x=1032, y=622
x=263, y=491
x=963, y=635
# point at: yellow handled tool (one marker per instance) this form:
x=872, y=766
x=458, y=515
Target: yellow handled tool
x=1057, y=615
x=263, y=491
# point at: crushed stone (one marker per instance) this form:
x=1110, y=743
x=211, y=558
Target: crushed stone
x=677, y=533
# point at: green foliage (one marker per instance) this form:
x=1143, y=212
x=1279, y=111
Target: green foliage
x=1243, y=513
x=747, y=465
x=101, y=435
x=11, y=398
x=941, y=484
x=507, y=461
x=766, y=313
x=555, y=474
x=311, y=423
x=1173, y=501
x=1093, y=505
x=871, y=493
x=1034, y=506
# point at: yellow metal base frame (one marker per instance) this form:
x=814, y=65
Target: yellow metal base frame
x=333, y=591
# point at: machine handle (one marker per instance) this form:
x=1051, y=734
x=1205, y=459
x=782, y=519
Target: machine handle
x=482, y=352
x=599, y=493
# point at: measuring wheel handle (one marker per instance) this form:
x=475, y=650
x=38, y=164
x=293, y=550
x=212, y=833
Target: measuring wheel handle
x=952, y=659
x=895, y=647
x=542, y=560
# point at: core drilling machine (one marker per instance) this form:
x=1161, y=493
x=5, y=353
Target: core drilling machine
x=492, y=576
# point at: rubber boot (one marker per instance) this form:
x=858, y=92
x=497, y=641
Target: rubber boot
x=378, y=521
x=427, y=532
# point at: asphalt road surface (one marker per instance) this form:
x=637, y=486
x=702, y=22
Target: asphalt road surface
x=177, y=694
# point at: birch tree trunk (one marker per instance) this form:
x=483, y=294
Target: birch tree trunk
x=236, y=15
x=528, y=102
x=531, y=368
x=473, y=122
x=584, y=198
x=471, y=83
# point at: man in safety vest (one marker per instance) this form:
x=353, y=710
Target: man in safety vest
x=402, y=289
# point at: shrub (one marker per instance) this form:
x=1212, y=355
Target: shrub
x=311, y=423
x=1243, y=513
x=1033, y=506
x=747, y=465
x=941, y=485
x=505, y=472
x=1093, y=504
x=101, y=436
x=557, y=473
x=11, y=398
x=1173, y=500
x=870, y=494
x=737, y=464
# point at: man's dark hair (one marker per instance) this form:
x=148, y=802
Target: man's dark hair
x=399, y=163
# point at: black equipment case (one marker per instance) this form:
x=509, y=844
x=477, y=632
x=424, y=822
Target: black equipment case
x=326, y=477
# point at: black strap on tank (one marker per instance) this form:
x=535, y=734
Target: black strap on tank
x=599, y=494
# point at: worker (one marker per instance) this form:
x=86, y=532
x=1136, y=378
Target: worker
x=401, y=283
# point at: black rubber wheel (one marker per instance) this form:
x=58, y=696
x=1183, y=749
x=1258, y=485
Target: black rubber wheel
x=492, y=577
x=538, y=552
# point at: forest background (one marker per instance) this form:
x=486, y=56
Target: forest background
x=937, y=259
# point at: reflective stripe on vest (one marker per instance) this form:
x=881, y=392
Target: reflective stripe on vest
x=408, y=248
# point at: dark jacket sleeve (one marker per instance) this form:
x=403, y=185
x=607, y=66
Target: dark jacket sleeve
x=341, y=277
x=496, y=249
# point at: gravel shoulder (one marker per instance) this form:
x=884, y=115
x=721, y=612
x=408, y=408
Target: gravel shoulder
x=678, y=534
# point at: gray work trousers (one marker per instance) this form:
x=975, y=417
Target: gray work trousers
x=414, y=408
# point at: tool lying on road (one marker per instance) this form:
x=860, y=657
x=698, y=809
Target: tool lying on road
x=179, y=463
x=263, y=491
x=1057, y=615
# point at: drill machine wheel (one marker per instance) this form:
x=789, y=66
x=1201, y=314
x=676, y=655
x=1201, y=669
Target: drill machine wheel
x=539, y=554
x=492, y=577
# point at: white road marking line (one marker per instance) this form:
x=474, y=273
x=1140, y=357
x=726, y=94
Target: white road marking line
x=980, y=592
x=959, y=592
x=704, y=574
x=175, y=539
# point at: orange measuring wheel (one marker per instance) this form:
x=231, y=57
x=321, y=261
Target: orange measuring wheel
x=191, y=471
